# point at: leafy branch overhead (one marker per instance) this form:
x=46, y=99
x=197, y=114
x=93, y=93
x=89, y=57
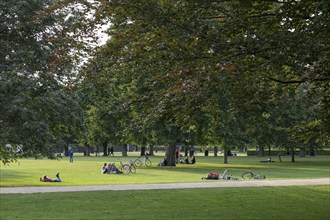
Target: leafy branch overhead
x=175, y=72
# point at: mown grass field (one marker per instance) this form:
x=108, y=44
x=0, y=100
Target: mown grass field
x=87, y=170
x=294, y=202
x=303, y=202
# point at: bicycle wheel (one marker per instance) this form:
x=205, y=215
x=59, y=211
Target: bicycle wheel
x=137, y=163
x=247, y=175
x=125, y=169
x=148, y=163
x=132, y=169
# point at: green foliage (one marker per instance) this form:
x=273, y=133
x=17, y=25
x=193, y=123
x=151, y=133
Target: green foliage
x=213, y=73
x=229, y=73
x=38, y=108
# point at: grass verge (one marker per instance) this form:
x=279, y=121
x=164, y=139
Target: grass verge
x=298, y=202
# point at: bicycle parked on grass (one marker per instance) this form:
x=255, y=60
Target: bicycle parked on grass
x=249, y=175
x=126, y=168
x=220, y=176
x=227, y=176
x=138, y=162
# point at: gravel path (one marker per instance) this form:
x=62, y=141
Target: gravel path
x=205, y=184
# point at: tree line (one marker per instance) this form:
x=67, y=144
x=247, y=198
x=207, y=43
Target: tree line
x=229, y=74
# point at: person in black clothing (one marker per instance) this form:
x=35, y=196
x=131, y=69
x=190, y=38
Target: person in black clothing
x=111, y=151
x=193, y=160
x=186, y=160
x=164, y=163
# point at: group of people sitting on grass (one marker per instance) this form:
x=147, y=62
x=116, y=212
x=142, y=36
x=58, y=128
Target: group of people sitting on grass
x=193, y=160
x=180, y=160
x=110, y=168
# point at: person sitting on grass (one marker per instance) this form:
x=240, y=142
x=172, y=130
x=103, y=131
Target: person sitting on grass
x=186, y=160
x=113, y=169
x=105, y=169
x=163, y=163
x=45, y=178
x=181, y=160
x=193, y=160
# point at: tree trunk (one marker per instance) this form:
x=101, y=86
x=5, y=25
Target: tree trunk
x=225, y=155
x=170, y=155
x=105, y=148
x=292, y=155
x=261, y=152
x=206, y=153
x=215, y=151
x=143, y=151
x=185, y=151
x=124, y=150
x=269, y=148
x=151, y=150
x=66, y=151
x=87, y=150
x=311, y=151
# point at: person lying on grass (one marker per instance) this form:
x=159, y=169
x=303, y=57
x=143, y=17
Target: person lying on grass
x=45, y=178
x=266, y=161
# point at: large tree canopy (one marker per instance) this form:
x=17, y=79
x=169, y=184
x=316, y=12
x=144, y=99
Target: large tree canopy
x=213, y=72
x=173, y=72
x=38, y=106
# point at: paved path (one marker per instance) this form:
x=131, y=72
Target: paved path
x=205, y=184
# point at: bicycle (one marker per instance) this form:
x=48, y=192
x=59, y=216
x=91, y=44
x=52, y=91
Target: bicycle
x=227, y=176
x=139, y=163
x=126, y=168
x=221, y=176
x=249, y=175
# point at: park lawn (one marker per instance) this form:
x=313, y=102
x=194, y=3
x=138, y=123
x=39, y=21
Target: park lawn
x=87, y=170
x=293, y=202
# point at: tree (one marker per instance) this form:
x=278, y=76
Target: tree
x=38, y=107
x=181, y=69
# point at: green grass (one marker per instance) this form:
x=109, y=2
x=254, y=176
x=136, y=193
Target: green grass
x=86, y=170
x=303, y=202
x=298, y=202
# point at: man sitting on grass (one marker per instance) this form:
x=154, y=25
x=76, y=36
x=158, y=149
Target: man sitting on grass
x=45, y=178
